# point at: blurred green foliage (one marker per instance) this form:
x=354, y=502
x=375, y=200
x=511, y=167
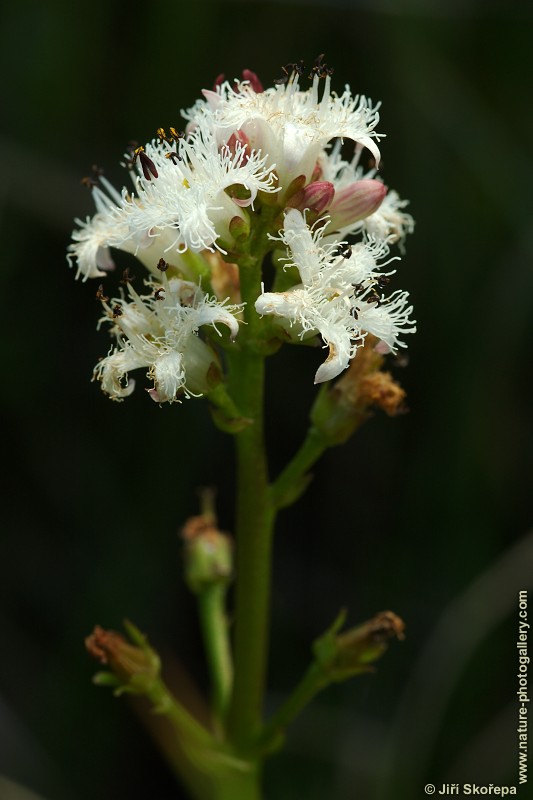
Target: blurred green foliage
x=407, y=516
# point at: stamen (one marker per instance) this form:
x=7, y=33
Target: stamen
x=173, y=156
x=319, y=68
x=147, y=165
x=127, y=277
x=91, y=182
x=296, y=68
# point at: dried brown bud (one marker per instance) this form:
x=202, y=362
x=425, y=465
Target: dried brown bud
x=342, y=655
x=364, y=644
x=381, y=390
x=136, y=663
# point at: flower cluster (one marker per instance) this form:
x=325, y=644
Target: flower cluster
x=338, y=294
x=253, y=165
x=160, y=331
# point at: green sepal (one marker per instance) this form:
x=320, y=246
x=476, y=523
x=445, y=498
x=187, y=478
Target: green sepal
x=325, y=648
x=106, y=679
x=336, y=421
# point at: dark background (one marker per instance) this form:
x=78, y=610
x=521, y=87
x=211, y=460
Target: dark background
x=428, y=514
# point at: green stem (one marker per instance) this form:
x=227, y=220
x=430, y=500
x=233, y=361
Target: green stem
x=211, y=601
x=208, y=769
x=254, y=520
x=184, y=723
x=254, y=524
x=312, y=682
x=290, y=484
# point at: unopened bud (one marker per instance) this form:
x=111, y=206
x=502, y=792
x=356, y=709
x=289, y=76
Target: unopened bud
x=133, y=667
x=239, y=142
x=367, y=642
x=208, y=553
x=255, y=83
x=315, y=198
x=343, y=655
x=356, y=202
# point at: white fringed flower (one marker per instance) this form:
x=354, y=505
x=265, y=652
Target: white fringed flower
x=289, y=125
x=159, y=332
x=90, y=249
x=339, y=296
x=390, y=222
x=179, y=203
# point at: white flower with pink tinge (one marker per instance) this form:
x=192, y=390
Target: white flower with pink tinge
x=339, y=296
x=289, y=125
x=179, y=202
x=159, y=331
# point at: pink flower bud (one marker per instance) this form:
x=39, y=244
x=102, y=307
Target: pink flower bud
x=239, y=138
x=315, y=197
x=356, y=202
x=255, y=83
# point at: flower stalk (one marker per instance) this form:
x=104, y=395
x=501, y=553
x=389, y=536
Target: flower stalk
x=208, y=572
x=258, y=175
x=337, y=657
x=254, y=519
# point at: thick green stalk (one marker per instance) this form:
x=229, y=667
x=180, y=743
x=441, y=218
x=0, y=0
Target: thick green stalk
x=253, y=565
x=254, y=523
x=209, y=771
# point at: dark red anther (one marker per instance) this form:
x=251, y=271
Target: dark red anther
x=147, y=165
x=174, y=157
